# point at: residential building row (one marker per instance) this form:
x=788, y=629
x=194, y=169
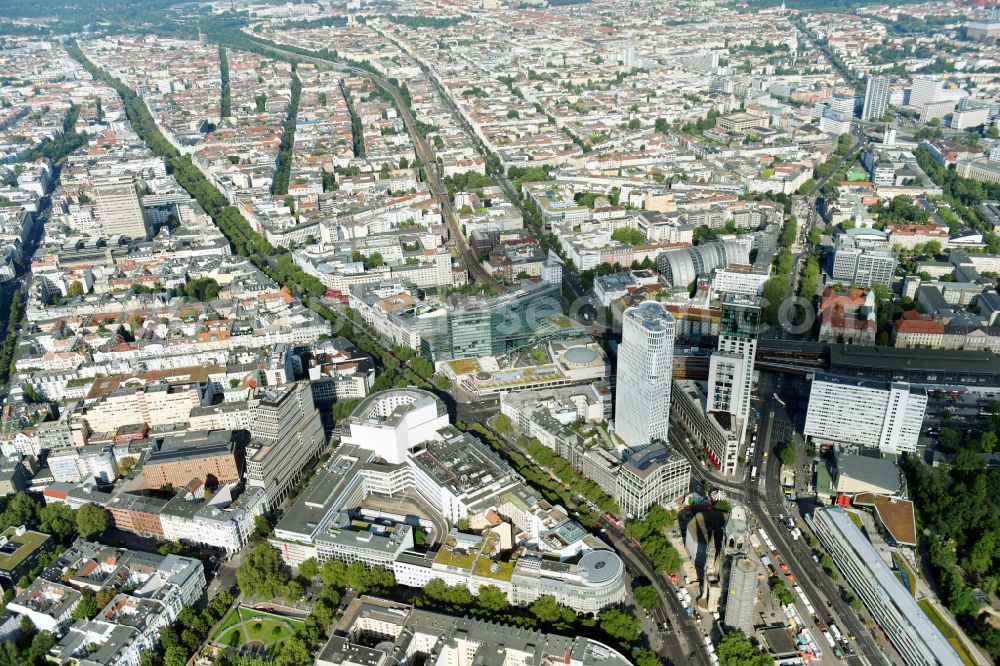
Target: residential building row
x=148, y=592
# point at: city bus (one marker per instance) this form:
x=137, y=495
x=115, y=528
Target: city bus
x=753, y=473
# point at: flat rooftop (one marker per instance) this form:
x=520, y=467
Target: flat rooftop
x=194, y=374
x=917, y=625
x=890, y=358
x=867, y=469
x=650, y=459
x=18, y=548
x=304, y=518
x=460, y=464
x=863, y=382
x=779, y=643
x=192, y=445
x=388, y=408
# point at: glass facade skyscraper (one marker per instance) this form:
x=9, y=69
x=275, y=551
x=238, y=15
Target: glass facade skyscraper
x=497, y=326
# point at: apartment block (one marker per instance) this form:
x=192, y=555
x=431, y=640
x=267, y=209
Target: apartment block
x=849, y=413
x=209, y=455
x=407, y=630
x=119, y=210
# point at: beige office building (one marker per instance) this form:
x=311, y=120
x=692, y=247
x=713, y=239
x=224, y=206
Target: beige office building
x=118, y=208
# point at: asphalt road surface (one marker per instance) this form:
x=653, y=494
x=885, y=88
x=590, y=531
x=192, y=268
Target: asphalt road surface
x=765, y=500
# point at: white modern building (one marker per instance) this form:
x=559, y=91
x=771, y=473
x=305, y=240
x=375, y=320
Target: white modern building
x=391, y=423
x=342, y=514
x=970, y=117
x=909, y=629
x=652, y=476
x=552, y=269
x=595, y=582
x=863, y=262
x=850, y=414
x=645, y=372
x=876, y=98
x=76, y=464
x=744, y=283
x=924, y=91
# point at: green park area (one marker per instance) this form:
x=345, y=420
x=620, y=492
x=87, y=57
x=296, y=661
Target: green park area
x=243, y=625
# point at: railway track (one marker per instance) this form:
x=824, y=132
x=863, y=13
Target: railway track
x=470, y=260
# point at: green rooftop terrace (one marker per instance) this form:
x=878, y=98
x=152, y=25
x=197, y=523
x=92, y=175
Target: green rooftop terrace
x=19, y=548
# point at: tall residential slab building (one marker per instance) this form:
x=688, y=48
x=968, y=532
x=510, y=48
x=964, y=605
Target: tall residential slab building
x=119, y=209
x=730, y=374
x=645, y=372
x=924, y=91
x=876, y=98
x=850, y=413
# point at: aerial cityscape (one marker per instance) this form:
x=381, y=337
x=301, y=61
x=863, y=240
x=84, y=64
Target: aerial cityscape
x=499, y=332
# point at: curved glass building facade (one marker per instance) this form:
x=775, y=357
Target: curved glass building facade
x=683, y=265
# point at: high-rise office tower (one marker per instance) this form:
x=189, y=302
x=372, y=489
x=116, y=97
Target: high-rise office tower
x=741, y=594
x=730, y=370
x=924, y=91
x=286, y=432
x=118, y=208
x=876, y=98
x=645, y=373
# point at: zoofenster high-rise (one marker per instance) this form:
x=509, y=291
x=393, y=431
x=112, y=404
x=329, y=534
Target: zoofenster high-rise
x=730, y=375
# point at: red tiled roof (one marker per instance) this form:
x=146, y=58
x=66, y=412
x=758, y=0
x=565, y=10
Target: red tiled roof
x=906, y=325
